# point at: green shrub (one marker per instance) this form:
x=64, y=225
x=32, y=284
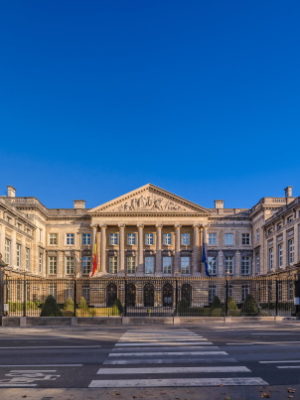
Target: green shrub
x=216, y=303
x=117, y=308
x=250, y=306
x=232, y=307
x=216, y=312
x=68, y=307
x=50, y=308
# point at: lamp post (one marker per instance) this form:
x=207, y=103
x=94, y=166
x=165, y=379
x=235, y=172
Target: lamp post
x=226, y=292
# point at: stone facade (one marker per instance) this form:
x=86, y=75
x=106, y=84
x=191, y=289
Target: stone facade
x=149, y=232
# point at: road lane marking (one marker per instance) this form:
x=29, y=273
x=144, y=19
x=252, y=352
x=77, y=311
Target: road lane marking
x=18, y=384
x=279, y=362
x=169, y=353
x=172, y=370
x=136, y=344
x=262, y=343
x=48, y=347
x=197, y=360
x=288, y=366
x=179, y=382
x=38, y=365
x=164, y=348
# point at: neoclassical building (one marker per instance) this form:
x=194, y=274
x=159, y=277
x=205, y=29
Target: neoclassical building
x=149, y=232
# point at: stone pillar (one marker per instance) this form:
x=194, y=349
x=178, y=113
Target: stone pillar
x=237, y=264
x=220, y=264
x=296, y=243
x=140, y=268
x=203, y=239
x=177, y=249
x=60, y=266
x=103, y=249
x=196, y=251
x=158, y=260
x=121, y=248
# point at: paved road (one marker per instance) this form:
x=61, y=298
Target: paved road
x=150, y=357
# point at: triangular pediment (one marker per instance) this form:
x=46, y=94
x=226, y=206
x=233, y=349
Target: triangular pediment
x=150, y=199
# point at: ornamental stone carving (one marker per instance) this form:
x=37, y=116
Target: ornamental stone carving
x=152, y=203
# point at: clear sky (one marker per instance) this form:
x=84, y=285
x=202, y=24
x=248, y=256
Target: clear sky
x=98, y=97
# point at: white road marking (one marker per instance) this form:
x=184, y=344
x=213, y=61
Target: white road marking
x=38, y=365
x=169, y=361
x=263, y=343
x=48, y=347
x=158, y=343
x=169, y=353
x=18, y=384
x=179, y=382
x=164, y=348
x=171, y=370
x=279, y=362
x=288, y=366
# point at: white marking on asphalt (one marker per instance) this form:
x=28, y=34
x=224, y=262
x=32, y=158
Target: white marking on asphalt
x=171, y=370
x=288, y=366
x=164, y=348
x=279, y=362
x=17, y=384
x=168, y=361
x=169, y=353
x=263, y=343
x=48, y=347
x=158, y=343
x=38, y=365
x=179, y=382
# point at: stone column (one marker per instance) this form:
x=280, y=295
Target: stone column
x=121, y=248
x=220, y=264
x=296, y=243
x=140, y=268
x=158, y=261
x=103, y=249
x=203, y=239
x=196, y=251
x=177, y=249
x=237, y=264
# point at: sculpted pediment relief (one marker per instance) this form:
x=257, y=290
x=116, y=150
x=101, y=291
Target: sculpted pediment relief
x=149, y=198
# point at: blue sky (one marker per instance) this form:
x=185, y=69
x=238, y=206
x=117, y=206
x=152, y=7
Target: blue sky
x=100, y=97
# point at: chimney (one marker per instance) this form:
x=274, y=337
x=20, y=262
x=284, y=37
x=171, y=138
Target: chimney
x=11, y=191
x=288, y=191
x=79, y=204
x=219, y=204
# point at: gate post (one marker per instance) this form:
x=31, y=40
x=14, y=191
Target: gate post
x=176, y=297
x=24, y=296
x=226, y=297
x=276, y=296
x=1, y=293
x=297, y=296
x=125, y=298
x=74, y=296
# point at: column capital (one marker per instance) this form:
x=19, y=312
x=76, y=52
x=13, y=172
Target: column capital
x=121, y=225
x=103, y=226
x=195, y=226
x=177, y=226
x=158, y=226
x=140, y=225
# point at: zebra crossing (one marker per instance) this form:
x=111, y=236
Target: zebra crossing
x=170, y=358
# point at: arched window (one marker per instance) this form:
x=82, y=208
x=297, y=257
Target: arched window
x=111, y=294
x=148, y=295
x=167, y=295
x=130, y=295
x=186, y=293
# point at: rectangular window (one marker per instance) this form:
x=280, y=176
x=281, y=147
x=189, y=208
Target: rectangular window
x=113, y=239
x=212, y=238
x=131, y=238
x=149, y=239
x=212, y=265
x=167, y=265
x=185, y=239
x=167, y=239
x=212, y=292
x=41, y=263
x=185, y=265
x=69, y=265
x=130, y=261
x=113, y=264
x=270, y=258
x=228, y=265
x=18, y=254
x=245, y=238
x=27, y=258
x=279, y=255
x=53, y=238
x=86, y=265
x=228, y=239
x=245, y=292
x=290, y=251
x=52, y=265
x=245, y=265
x=70, y=238
x=7, y=253
x=149, y=265
x=86, y=239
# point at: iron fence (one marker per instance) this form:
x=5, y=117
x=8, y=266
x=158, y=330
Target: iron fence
x=151, y=296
